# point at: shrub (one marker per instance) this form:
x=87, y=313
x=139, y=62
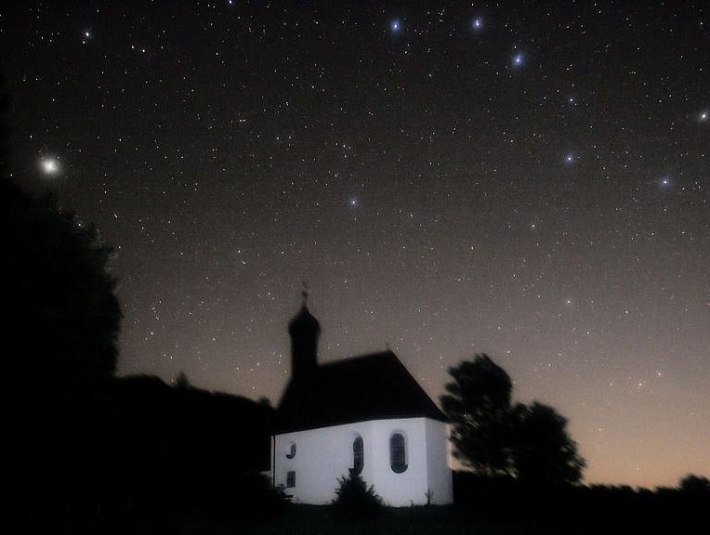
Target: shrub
x=355, y=498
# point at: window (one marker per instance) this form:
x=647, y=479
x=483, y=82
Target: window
x=290, y=479
x=398, y=453
x=358, y=455
x=291, y=451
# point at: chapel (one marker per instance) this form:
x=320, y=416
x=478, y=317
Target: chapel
x=365, y=415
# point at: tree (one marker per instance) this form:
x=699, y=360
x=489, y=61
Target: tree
x=477, y=405
x=694, y=484
x=495, y=438
x=59, y=335
x=60, y=344
x=543, y=453
x=65, y=316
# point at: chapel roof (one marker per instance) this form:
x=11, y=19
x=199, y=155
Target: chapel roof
x=368, y=387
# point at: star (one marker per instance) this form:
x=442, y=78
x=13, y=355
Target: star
x=570, y=158
x=353, y=202
x=395, y=26
x=666, y=182
x=49, y=165
x=703, y=116
x=477, y=23
x=518, y=59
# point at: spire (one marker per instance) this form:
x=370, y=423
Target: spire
x=304, y=330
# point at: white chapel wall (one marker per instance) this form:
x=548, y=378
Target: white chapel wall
x=439, y=476
x=324, y=455
x=409, y=487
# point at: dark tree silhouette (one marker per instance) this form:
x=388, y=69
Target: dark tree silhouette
x=65, y=315
x=60, y=351
x=186, y=442
x=477, y=405
x=59, y=347
x=495, y=438
x=543, y=453
x=694, y=484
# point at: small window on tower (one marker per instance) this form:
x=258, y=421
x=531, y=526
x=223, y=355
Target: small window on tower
x=290, y=479
x=291, y=451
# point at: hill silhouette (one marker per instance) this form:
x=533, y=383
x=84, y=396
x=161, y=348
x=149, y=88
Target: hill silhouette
x=184, y=441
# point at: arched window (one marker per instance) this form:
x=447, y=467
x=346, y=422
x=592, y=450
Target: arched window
x=358, y=455
x=398, y=453
x=291, y=450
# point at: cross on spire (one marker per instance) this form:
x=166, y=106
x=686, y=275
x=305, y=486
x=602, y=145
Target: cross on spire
x=304, y=293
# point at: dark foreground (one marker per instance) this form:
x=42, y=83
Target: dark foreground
x=588, y=512
x=495, y=507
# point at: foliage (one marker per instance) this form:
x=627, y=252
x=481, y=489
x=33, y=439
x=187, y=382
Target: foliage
x=695, y=484
x=543, y=453
x=61, y=349
x=477, y=405
x=496, y=438
x=55, y=279
x=254, y=495
x=355, y=498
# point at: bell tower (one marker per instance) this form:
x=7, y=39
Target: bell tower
x=304, y=330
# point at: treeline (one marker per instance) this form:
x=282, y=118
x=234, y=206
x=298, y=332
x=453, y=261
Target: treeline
x=94, y=459
x=584, y=509
x=186, y=442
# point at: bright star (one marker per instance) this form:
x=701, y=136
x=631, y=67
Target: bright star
x=518, y=59
x=352, y=201
x=703, y=116
x=395, y=25
x=49, y=165
x=665, y=181
x=477, y=23
x=570, y=158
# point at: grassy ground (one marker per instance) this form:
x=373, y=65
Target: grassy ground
x=314, y=520
x=483, y=509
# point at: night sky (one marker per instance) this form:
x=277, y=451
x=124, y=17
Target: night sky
x=525, y=179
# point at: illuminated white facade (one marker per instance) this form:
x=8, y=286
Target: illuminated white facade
x=316, y=459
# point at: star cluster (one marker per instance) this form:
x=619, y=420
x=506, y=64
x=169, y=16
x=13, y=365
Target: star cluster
x=528, y=180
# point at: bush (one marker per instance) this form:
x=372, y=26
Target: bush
x=355, y=498
x=693, y=484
